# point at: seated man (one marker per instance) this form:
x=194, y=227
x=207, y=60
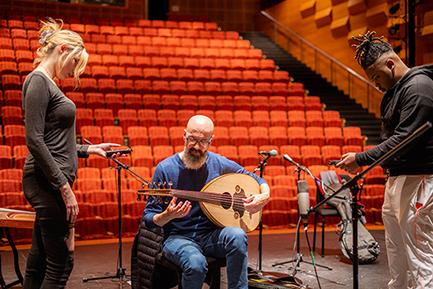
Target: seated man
x=190, y=235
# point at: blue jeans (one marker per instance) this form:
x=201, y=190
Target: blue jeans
x=189, y=254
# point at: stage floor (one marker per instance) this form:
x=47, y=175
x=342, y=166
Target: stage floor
x=97, y=260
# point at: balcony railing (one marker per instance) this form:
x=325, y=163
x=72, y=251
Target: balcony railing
x=337, y=73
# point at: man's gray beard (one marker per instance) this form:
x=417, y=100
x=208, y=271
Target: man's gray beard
x=192, y=162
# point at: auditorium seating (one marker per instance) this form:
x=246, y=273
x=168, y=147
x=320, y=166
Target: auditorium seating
x=143, y=81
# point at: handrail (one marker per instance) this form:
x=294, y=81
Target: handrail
x=372, y=97
x=333, y=59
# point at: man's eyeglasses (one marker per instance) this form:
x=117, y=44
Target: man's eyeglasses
x=193, y=141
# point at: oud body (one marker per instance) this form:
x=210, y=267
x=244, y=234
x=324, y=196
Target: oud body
x=221, y=200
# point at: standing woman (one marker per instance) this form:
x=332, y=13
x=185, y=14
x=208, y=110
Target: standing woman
x=49, y=170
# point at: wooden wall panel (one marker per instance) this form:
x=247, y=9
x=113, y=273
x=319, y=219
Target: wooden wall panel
x=288, y=13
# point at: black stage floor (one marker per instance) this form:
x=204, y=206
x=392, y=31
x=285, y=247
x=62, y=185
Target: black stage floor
x=96, y=260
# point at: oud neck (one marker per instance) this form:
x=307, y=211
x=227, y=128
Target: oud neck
x=197, y=196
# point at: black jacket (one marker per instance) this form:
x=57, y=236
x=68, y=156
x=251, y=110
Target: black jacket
x=404, y=108
x=146, y=273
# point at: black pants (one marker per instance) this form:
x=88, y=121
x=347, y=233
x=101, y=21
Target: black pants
x=49, y=262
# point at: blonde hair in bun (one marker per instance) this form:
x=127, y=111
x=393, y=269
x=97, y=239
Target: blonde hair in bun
x=51, y=35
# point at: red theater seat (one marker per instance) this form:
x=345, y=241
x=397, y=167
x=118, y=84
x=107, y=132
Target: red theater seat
x=239, y=135
x=142, y=156
x=158, y=135
x=162, y=152
x=113, y=134
x=315, y=136
x=5, y=157
x=14, y=135
x=229, y=151
x=137, y=135
x=11, y=115
x=311, y=155
x=92, y=133
x=167, y=117
x=224, y=118
x=103, y=116
x=183, y=115
x=242, y=118
x=20, y=153
x=221, y=136
x=259, y=135
x=248, y=155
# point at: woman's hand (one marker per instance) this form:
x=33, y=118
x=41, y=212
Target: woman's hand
x=100, y=149
x=70, y=203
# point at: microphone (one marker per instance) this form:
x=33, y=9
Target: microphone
x=122, y=152
x=289, y=159
x=303, y=201
x=271, y=153
x=333, y=162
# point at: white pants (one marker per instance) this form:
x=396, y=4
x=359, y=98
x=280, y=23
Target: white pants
x=409, y=231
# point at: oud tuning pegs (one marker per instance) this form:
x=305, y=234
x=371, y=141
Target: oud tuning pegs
x=153, y=185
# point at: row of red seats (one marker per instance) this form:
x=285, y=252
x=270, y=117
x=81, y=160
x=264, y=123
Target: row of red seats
x=100, y=204
x=121, y=31
x=142, y=50
x=28, y=43
x=246, y=155
x=16, y=55
x=281, y=179
x=117, y=102
x=175, y=113
x=275, y=175
x=155, y=59
x=88, y=24
x=128, y=86
x=226, y=118
x=133, y=43
x=251, y=73
x=193, y=102
x=14, y=156
x=234, y=135
x=153, y=73
x=186, y=62
x=167, y=41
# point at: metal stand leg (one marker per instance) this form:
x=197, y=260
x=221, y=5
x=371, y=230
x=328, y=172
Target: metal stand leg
x=120, y=273
x=16, y=263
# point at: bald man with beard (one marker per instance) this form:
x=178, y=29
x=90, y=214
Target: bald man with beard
x=189, y=234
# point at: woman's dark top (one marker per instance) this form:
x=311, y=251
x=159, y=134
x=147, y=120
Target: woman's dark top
x=50, y=131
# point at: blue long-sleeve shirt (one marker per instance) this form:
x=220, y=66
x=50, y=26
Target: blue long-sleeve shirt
x=173, y=170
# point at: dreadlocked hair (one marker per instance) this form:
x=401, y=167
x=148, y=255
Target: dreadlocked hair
x=369, y=48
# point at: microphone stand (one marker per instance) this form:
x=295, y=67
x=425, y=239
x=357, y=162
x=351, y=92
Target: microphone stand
x=120, y=272
x=354, y=188
x=261, y=167
x=298, y=259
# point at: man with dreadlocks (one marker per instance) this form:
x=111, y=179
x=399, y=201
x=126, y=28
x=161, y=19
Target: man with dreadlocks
x=407, y=211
